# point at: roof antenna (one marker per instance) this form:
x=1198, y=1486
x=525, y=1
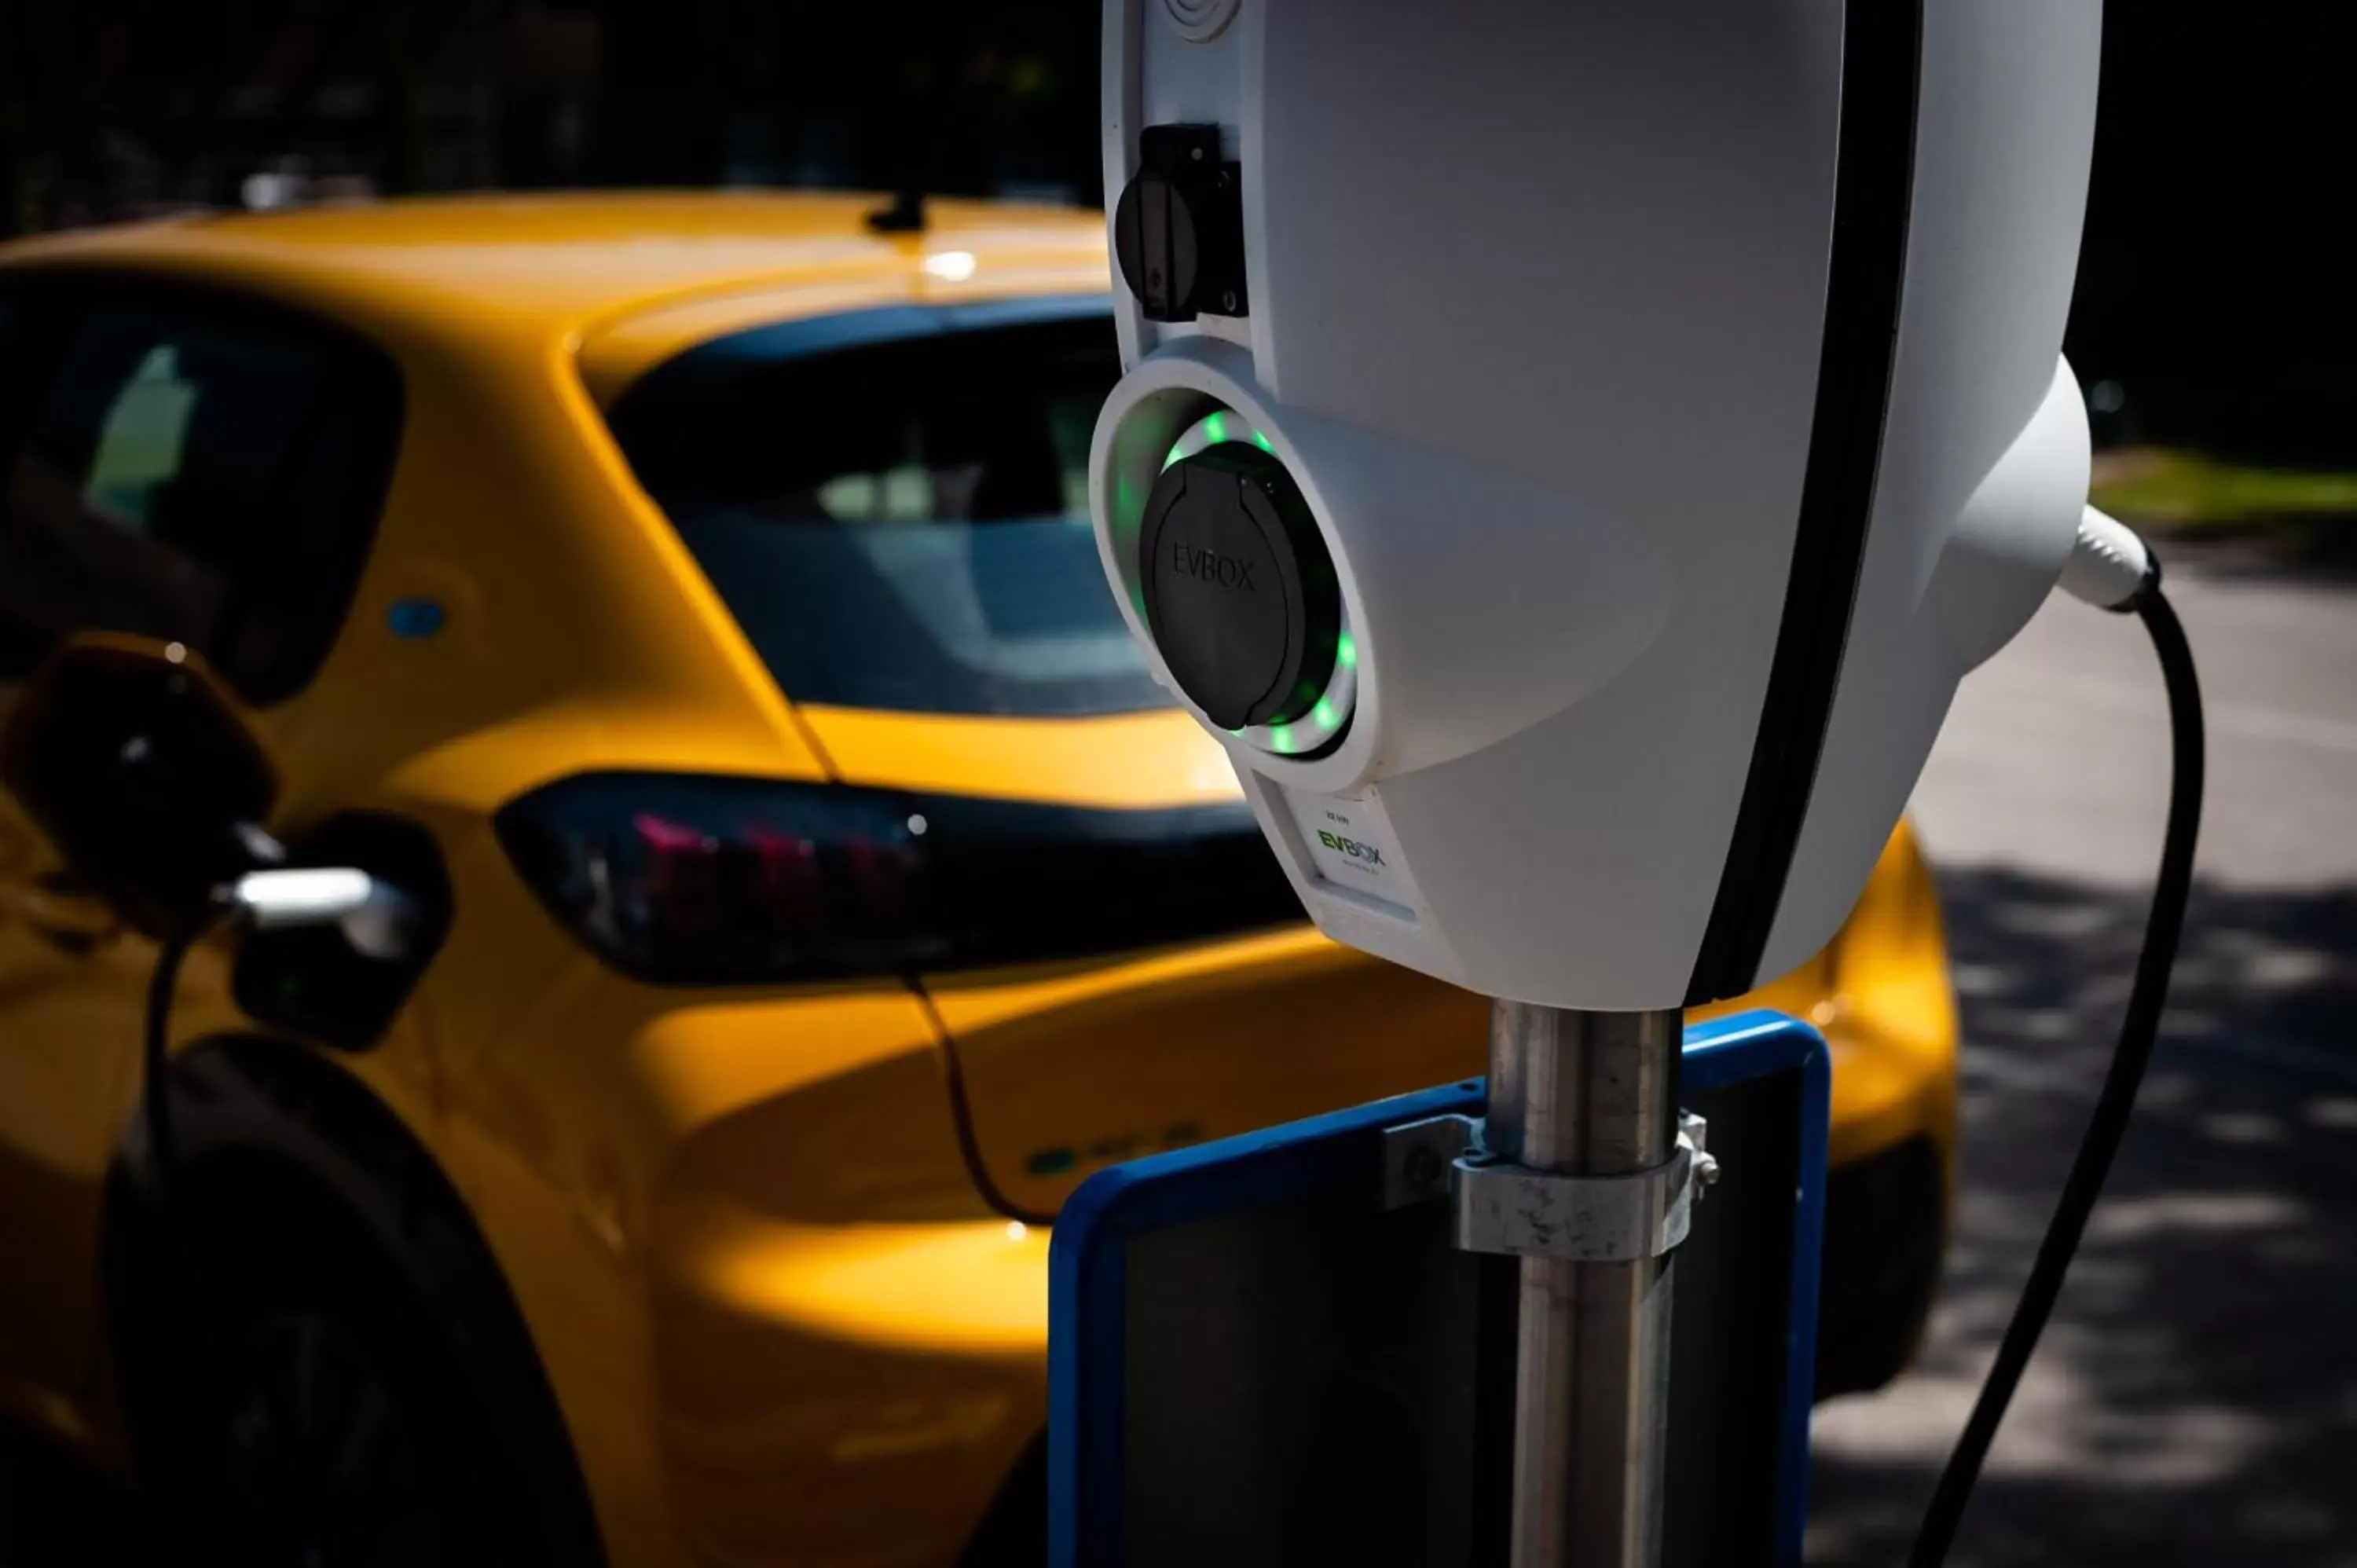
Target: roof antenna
x=905, y=214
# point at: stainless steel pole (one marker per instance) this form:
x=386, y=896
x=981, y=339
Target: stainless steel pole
x=1588, y=1094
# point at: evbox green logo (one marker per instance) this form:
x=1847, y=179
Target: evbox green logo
x=1366, y=853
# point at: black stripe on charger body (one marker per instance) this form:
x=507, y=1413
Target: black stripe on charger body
x=1874, y=185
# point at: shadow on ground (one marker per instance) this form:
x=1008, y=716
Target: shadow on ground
x=2195, y=1399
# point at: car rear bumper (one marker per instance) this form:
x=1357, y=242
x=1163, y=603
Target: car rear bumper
x=1884, y=1234
x=868, y=1392
x=846, y=1395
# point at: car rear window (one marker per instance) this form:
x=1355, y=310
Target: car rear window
x=893, y=503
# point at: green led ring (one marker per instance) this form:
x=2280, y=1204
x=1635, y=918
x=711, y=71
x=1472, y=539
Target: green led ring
x=1316, y=729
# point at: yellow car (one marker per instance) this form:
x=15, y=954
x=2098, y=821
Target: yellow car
x=689, y=602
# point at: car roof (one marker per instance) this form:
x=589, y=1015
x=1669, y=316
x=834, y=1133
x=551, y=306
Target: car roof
x=574, y=264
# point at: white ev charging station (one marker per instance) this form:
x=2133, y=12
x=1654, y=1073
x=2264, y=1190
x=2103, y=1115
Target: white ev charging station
x=1645, y=441
x=1569, y=453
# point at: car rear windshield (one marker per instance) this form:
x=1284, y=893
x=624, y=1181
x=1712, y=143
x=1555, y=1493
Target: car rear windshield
x=893, y=503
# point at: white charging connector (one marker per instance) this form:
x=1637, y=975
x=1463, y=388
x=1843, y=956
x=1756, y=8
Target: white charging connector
x=2109, y=566
x=376, y=918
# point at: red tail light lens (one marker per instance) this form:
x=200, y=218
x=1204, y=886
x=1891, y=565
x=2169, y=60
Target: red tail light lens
x=746, y=881
x=722, y=880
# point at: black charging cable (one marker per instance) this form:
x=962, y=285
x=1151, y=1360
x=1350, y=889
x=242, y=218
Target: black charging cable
x=2108, y=1124
x=155, y=1051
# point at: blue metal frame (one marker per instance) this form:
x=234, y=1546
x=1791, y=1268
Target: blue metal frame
x=1087, y=1262
x=1727, y=1051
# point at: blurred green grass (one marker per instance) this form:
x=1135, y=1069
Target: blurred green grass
x=2189, y=494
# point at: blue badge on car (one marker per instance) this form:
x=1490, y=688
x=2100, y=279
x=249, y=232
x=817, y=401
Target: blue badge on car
x=415, y=617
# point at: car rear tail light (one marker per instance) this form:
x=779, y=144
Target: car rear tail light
x=678, y=878
x=689, y=879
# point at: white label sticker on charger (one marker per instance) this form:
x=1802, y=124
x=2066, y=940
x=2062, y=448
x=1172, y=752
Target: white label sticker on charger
x=1350, y=846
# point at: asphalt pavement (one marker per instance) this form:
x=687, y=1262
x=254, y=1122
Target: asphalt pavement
x=2195, y=1399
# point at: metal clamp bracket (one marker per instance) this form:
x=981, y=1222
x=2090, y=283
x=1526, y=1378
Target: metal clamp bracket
x=1417, y=1155
x=1528, y=1213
